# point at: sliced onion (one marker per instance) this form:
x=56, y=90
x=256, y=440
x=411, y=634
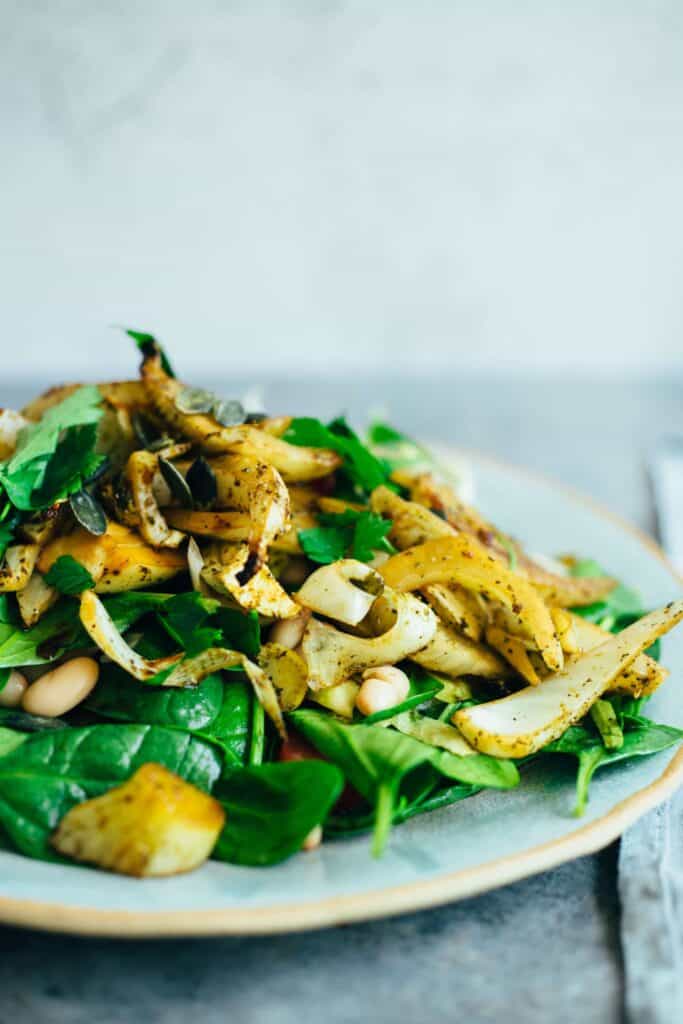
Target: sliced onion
x=344, y=591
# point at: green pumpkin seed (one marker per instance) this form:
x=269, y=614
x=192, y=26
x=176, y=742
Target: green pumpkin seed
x=201, y=480
x=177, y=484
x=230, y=413
x=88, y=512
x=194, y=400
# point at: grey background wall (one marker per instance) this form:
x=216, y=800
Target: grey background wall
x=342, y=185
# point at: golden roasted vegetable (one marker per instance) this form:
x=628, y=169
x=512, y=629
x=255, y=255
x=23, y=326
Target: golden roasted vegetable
x=258, y=490
x=118, y=560
x=458, y=608
x=639, y=679
x=293, y=462
x=332, y=656
x=141, y=470
x=344, y=591
x=514, y=652
x=18, y=566
x=155, y=824
x=35, y=599
x=454, y=655
x=524, y=722
x=223, y=570
x=461, y=559
x=411, y=523
x=568, y=591
x=99, y=626
x=287, y=672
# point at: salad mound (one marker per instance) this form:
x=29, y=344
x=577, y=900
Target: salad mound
x=231, y=635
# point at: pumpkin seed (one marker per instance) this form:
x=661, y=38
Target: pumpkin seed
x=88, y=512
x=230, y=413
x=194, y=400
x=201, y=480
x=177, y=483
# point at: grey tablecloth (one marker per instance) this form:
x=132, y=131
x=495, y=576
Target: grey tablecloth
x=545, y=949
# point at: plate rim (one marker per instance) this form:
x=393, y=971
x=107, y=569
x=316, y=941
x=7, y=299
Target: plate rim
x=385, y=902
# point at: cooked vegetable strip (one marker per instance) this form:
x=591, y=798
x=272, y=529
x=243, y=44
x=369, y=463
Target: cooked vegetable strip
x=568, y=591
x=141, y=469
x=459, y=609
x=462, y=560
x=35, y=599
x=258, y=490
x=332, y=656
x=20, y=561
x=524, y=722
x=454, y=655
x=514, y=651
x=344, y=591
x=104, y=634
x=224, y=570
x=640, y=678
x=294, y=463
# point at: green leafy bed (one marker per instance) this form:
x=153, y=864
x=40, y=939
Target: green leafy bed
x=359, y=776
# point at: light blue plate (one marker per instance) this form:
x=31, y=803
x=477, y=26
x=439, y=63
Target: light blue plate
x=483, y=842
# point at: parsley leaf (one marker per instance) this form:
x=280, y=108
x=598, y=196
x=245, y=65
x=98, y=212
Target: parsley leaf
x=41, y=444
x=362, y=467
x=324, y=544
x=349, y=534
x=69, y=576
x=148, y=343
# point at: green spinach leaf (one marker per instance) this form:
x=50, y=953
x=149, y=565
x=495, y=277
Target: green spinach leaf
x=271, y=808
x=646, y=737
x=382, y=764
x=215, y=710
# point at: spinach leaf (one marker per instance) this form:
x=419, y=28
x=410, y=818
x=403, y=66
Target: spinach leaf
x=214, y=710
x=645, y=738
x=185, y=618
x=69, y=576
x=10, y=739
x=363, y=821
x=52, y=771
x=383, y=765
x=364, y=470
x=39, y=444
x=271, y=808
x=350, y=534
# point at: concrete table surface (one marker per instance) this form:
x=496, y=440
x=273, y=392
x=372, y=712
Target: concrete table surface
x=546, y=948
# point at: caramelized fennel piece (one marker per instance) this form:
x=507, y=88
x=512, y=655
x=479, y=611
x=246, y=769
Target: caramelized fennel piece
x=293, y=462
x=453, y=655
x=461, y=559
x=524, y=722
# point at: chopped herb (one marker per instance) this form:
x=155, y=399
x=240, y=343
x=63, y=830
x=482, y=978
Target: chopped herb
x=349, y=534
x=364, y=469
x=68, y=576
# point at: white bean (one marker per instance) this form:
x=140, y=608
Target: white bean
x=13, y=690
x=390, y=674
x=375, y=695
x=289, y=632
x=62, y=689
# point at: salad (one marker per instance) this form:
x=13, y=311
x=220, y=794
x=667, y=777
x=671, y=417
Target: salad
x=231, y=635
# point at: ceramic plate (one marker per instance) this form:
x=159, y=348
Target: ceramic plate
x=483, y=842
